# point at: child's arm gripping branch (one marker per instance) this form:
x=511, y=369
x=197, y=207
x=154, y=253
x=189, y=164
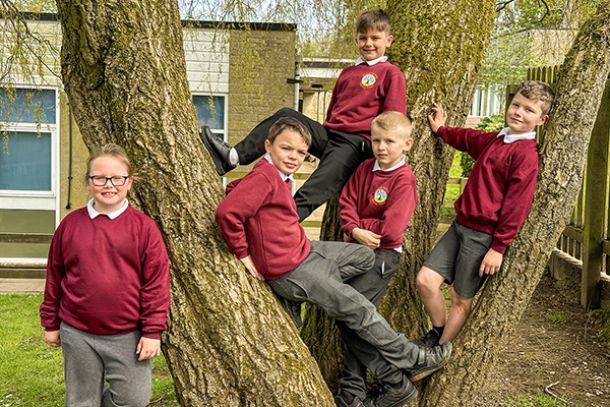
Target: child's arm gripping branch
x=463, y=139
x=438, y=117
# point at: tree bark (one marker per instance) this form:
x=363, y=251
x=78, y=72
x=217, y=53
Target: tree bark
x=562, y=157
x=229, y=343
x=440, y=48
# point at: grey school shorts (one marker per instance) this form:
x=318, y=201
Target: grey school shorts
x=457, y=256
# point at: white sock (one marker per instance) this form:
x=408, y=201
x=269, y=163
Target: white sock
x=233, y=157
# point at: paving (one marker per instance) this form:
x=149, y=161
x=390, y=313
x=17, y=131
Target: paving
x=21, y=285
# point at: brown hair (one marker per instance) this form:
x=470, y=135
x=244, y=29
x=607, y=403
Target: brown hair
x=289, y=123
x=395, y=122
x=537, y=90
x=373, y=20
x=111, y=150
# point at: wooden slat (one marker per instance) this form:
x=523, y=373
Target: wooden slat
x=25, y=238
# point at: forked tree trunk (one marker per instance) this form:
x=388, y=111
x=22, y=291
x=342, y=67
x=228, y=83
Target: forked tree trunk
x=229, y=343
x=562, y=157
x=440, y=47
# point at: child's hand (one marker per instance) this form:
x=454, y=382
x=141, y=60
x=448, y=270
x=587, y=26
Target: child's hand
x=247, y=261
x=148, y=348
x=438, y=117
x=491, y=263
x=52, y=338
x=366, y=237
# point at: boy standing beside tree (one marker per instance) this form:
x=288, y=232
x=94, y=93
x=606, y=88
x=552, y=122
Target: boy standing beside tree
x=490, y=211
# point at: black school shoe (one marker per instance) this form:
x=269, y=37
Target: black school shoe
x=429, y=361
x=218, y=149
x=356, y=402
x=429, y=340
x=392, y=396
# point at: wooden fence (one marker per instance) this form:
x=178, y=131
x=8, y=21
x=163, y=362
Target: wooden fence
x=586, y=238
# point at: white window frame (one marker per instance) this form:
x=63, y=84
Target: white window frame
x=36, y=200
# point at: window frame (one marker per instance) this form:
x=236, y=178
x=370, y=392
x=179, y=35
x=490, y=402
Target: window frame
x=36, y=200
x=225, y=96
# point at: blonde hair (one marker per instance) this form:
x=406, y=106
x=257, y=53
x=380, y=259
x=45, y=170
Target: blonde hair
x=395, y=122
x=110, y=150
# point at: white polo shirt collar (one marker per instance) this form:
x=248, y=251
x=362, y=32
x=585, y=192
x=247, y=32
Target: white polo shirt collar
x=112, y=215
x=360, y=60
x=511, y=138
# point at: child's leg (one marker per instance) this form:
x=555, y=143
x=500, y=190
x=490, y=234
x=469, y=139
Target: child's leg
x=460, y=310
x=357, y=353
x=428, y=284
x=253, y=145
x=343, y=154
x=317, y=280
x=352, y=259
x=473, y=247
x=129, y=380
x=83, y=368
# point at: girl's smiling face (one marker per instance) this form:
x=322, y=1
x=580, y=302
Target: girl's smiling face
x=110, y=197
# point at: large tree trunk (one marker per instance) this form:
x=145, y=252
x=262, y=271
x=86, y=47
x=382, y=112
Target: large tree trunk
x=562, y=157
x=229, y=343
x=440, y=48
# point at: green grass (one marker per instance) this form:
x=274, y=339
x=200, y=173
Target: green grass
x=31, y=373
x=538, y=400
x=556, y=317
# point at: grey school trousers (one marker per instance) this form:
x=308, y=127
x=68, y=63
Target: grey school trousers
x=320, y=279
x=89, y=358
x=359, y=354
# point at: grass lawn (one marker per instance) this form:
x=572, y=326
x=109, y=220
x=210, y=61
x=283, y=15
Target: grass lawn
x=31, y=373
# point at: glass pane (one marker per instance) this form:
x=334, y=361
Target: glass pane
x=210, y=111
x=27, y=106
x=26, y=164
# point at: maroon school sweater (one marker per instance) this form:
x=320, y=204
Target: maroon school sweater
x=107, y=277
x=380, y=201
x=500, y=190
x=258, y=217
x=363, y=92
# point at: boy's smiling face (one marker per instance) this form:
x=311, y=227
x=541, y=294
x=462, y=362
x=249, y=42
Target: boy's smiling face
x=523, y=114
x=108, y=198
x=373, y=43
x=287, y=151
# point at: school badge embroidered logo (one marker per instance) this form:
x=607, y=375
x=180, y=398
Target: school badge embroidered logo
x=368, y=80
x=380, y=196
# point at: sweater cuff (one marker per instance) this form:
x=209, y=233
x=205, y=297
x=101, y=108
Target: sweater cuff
x=240, y=254
x=152, y=335
x=499, y=246
x=348, y=229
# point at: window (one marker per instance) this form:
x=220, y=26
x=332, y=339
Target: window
x=211, y=113
x=28, y=130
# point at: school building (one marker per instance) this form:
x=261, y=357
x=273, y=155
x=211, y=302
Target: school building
x=42, y=162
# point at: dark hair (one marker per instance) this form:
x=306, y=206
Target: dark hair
x=373, y=20
x=111, y=150
x=537, y=90
x=289, y=123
